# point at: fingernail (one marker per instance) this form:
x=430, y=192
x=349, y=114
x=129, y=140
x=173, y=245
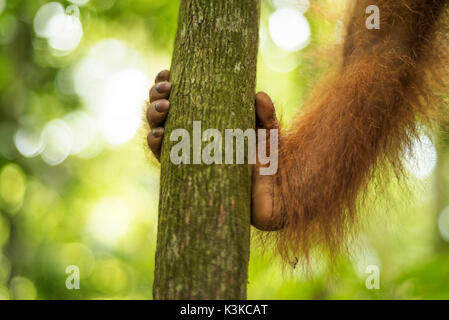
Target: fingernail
x=162, y=106
x=162, y=87
x=157, y=132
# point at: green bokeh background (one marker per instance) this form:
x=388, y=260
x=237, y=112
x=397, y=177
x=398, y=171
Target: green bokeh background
x=97, y=209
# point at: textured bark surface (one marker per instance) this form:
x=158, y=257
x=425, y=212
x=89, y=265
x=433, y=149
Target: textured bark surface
x=204, y=210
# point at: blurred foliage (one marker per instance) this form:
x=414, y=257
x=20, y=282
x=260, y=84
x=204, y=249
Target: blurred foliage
x=78, y=188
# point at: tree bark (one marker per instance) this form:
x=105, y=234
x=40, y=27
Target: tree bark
x=204, y=210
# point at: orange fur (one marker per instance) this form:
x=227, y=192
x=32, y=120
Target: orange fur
x=361, y=118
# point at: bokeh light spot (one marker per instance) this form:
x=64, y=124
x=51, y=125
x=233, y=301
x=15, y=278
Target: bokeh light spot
x=79, y=255
x=4, y=293
x=5, y=268
x=12, y=186
x=83, y=130
x=62, y=30
x=421, y=158
x=2, y=5
x=110, y=220
x=110, y=276
x=289, y=29
x=111, y=82
x=44, y=15
x=28, y=142
x=66, y=32
x=443, y=223
x=5, y=230
x=23, y=289
x=57, y=142
x=301, y=5
x=121, y=115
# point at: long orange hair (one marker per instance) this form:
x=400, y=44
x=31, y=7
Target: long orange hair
x=363, y=117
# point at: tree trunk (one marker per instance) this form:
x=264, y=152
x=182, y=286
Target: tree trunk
x=204, y=210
